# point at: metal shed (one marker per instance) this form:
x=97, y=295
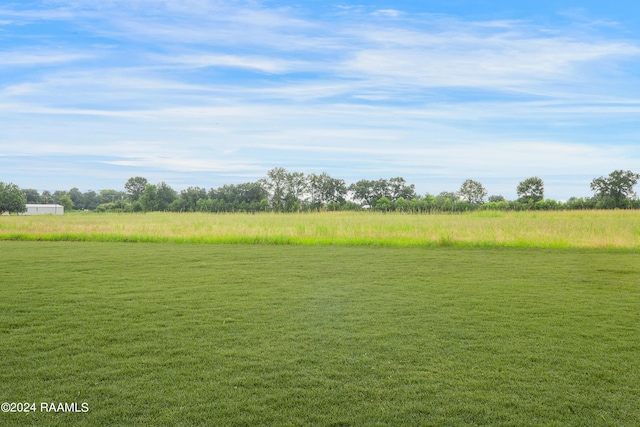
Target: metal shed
x=34, y=209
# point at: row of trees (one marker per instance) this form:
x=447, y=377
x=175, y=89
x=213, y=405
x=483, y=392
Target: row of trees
x=74, y=198
x=283, y=191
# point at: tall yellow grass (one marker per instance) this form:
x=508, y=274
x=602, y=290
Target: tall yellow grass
x=575, y=229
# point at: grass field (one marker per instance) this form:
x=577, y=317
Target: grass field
x=239, y=335
x=559, y=229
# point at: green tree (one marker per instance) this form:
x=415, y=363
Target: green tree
x=178, y=205
x=166, y=196
x=251, y=194
x=286, y=189
x=206, y=205
x=428, y=203
x=384, y=204
x=134, y=207
x=616, y=190
x=447, y=204
x=77, y=197
x=296, y=187
x=402, y=205
x=364, y=192
x=45, y=197
x=276, y=185
x=369, y=192
x=135, y=187
x=149, y=200
x=57, y=195
x=12, y=199
x=190, y=198
x=66, y=202
x=31, y=195
x=238, y=198
x=397, y=188
x=531, y=190
x=580, y=203
x=325, y=190
x=472, y=192
x=109, y=196
x=90, y=200
x=446, y=200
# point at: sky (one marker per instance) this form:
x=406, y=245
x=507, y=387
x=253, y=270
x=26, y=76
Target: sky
x=211, y=92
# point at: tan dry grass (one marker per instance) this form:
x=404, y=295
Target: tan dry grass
x=583, y=229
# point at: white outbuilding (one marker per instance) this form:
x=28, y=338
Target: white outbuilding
x=34, y=209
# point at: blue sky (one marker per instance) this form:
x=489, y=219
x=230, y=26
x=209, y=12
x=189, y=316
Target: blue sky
x=208, y=92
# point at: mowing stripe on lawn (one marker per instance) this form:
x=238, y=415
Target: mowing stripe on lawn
x=319, y=335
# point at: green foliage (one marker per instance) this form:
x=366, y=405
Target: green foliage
x=365, y=192
x=135, y=187
x=277, y=183
x=530, y=191
x=383, y=204
x=247, y=197
x=157, y=197
x=325, y=190
x=284, y=191
x=231, y=335
x=135, y=206
x=110, y=196
x=165, y=195
x=616, y=190
x=12, y=199
x=445, y=201
x=149, y=201
x=208, y=205
x=118, y=206
x=66, y=202
x=178, y=205
x=472, y=192
x=397, y=188
x=402, y=205
x=189, y=198
x=580, y=203
x=31, y=195
x=90, y=200
x=77, y=198
x=46, y=197
x=368, y=192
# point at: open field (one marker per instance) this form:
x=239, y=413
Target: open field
x=563, y=229
x=170, y=334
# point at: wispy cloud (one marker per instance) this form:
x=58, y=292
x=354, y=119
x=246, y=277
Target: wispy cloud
x=392, y=13
x=500, y=61
x=185, y=164
x=38, y=57
x=264, y=64
x=238, y=87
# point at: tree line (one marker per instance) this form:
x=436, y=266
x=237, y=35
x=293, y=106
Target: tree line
x=284, y=191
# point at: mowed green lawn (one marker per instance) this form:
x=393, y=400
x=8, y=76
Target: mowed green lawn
x=186, y=334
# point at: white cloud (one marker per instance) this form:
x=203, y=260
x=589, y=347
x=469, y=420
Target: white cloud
x=391, y=13
x=478, y=62
x=26, y=57
x=185, y=164
x=424, y=95
x=30, y=15
x=264, y=64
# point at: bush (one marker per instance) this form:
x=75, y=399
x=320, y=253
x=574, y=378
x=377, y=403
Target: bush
x=12, y=199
